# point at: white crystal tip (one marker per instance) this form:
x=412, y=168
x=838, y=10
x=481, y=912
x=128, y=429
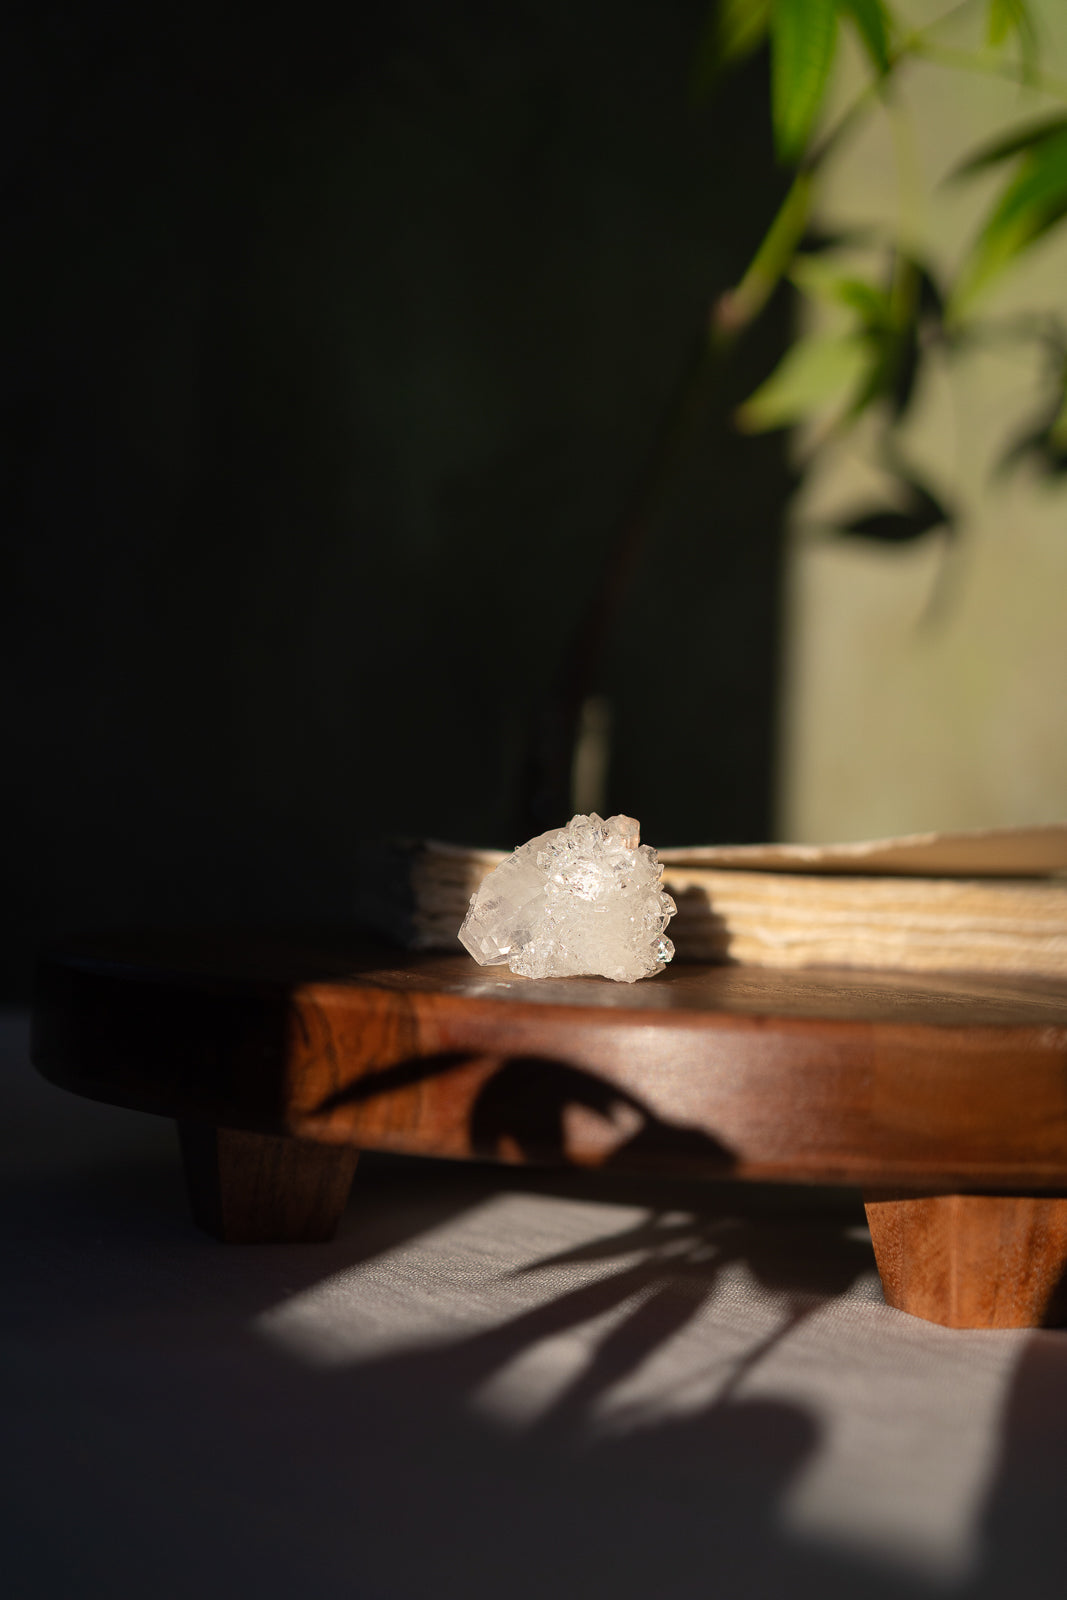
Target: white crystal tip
x=579, y=901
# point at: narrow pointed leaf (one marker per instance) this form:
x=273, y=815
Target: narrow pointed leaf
x=742, y=27
x=824, y=280
x=1044, y=446
x=812, y=375
x=870, y=303
x=1005, y=17
x=931, y=300
x=803, y=37
x=1012, y=144
x=904, y=373
x=879, y=380
x=1058, y=431
x=734, y=30
x=1034, y=200
x=872, y=23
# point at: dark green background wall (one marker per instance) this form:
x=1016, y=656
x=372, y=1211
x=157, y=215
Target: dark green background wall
x=334, y=348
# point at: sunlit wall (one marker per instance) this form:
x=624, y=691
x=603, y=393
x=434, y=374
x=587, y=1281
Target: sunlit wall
x=926, y=683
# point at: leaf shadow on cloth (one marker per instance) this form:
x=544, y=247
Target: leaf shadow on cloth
x=189, y=1451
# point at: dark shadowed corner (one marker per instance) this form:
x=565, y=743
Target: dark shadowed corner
x=337, y=346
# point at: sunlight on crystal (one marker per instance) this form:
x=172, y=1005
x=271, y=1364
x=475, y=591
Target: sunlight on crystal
x=584, y=900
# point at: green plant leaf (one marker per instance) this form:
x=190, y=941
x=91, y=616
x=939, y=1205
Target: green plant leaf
x=1058, y=430
x=1033, y=201
x=1044, y=445
x=1006, y=17
x=816, y=275
x=871, y=20
x=871, y=304
x=813, y=374
x=803, y=38
x=892, y=372
x=742, y=27
x=735, y=29
x=931, y=299
x=893, y=321
x=1012, y=144
x=824, y=280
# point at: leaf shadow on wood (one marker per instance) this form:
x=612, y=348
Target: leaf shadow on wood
x=537, y=1110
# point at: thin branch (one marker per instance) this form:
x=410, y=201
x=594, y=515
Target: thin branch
x=546, y=777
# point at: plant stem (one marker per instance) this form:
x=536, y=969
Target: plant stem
x=545, y=782
x=737, y=307
x=546, y=778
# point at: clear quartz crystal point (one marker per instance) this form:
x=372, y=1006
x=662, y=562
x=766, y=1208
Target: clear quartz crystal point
x=578, y=901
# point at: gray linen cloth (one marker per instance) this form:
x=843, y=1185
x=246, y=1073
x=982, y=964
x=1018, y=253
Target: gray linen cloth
x=492, y=1383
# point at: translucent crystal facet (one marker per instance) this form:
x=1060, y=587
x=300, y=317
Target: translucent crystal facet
x=577, y=901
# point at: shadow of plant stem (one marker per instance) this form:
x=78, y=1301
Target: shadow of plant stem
x=680, y=1263
x=552, y=734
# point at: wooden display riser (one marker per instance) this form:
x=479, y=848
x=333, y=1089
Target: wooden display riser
x=943, y=1098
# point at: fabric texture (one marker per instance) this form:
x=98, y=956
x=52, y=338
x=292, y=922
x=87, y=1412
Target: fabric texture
x=492, y=1383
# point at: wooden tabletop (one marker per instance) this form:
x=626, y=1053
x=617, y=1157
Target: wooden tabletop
x=874, y=1078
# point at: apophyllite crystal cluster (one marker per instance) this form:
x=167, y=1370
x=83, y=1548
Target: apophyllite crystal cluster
x=577, y=901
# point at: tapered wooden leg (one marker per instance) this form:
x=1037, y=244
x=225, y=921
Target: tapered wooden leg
x=972, y=1260
x=254, y=1188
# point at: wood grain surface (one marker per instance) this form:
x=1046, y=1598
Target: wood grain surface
x=952, y=1083
x=972, y=1260
x=257, y=1188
